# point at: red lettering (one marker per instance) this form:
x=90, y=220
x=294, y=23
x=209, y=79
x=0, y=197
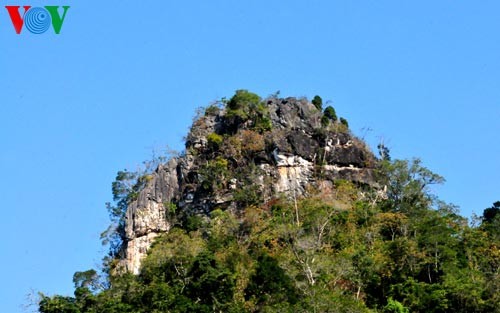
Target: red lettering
x=15, y=16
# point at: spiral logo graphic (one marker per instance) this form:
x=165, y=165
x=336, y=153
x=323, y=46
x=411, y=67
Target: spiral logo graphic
x=37, y=20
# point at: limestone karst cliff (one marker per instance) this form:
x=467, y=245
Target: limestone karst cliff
x=276, y=207
x=241, y=154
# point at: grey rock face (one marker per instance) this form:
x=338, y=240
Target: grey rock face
x=146, y=217
x=296, y=148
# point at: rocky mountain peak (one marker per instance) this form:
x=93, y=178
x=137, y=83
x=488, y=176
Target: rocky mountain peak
x=241, y=152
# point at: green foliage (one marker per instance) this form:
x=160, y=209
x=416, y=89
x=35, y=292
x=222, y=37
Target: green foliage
x=241, y=103
x=214, y=174
x=58, y=304
x=354, y=249
x=270, y=284
x=330, y=113
x=325, y=121
x=170, y=255
x=246, y=106
x=212, y=110
x=318, y=102
x=408, y=185
x=88, y=279
x=262, y=122
x=212, y=283
x=490, y=221
x=248, y=195
x=419, y=297
x=247, y=192
x=490, y=214
x=344, y=122
x=124, y=189
x=243, y=99
x=384, y=152
x=394, y=306
x=214, y=141
x=192, y=223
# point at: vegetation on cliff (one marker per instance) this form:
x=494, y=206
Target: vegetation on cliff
x=387, y=245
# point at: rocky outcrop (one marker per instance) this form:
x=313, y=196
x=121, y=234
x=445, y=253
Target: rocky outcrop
x=296, y=156
x=147, y=216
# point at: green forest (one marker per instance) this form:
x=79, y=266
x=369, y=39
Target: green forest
x=390, y=247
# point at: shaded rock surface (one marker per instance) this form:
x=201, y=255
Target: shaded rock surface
x=298, y=155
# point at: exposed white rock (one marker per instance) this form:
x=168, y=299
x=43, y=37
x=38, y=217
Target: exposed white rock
x=290, y=160
x=137, y=249
x=148, y=218
x=335, y=168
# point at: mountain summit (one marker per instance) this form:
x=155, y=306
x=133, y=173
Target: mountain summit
x=246, y=151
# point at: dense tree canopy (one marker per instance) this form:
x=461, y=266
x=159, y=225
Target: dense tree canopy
x=405, y=252
x=394, y=248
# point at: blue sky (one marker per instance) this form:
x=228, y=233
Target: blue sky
x=123, y=79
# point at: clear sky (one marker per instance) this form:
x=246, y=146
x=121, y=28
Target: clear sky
x=124, y=78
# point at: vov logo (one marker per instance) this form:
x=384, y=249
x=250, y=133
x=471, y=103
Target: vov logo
x=37, y=20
